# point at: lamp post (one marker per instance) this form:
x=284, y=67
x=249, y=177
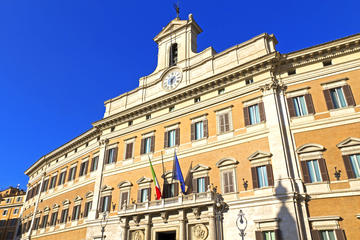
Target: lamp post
x=220, y=209
x=103, y=224
x=241, y=224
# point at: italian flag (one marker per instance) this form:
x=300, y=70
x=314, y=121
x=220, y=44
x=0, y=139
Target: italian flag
x=157, y=186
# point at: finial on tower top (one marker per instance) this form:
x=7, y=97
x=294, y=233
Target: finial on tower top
x=177, y=9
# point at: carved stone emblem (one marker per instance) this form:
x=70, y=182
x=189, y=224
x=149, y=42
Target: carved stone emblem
x=138, y=235
x=200, y=232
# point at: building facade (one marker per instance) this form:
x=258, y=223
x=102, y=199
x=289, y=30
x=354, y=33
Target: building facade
x=273, y=135
x=11, y=202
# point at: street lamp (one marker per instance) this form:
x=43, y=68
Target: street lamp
x=103, y=224
x=241, y=224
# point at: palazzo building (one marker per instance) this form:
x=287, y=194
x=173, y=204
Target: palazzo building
x=11, y=202
x=274, y=135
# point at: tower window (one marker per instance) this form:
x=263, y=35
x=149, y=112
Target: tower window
x=173, y=55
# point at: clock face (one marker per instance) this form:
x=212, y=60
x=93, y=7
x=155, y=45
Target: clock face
x=172, y=79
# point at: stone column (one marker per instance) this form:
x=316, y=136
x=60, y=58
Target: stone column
x=98, y=180
x=124, y=228
x=182, y=225
x=212, y=224
x=147, y=227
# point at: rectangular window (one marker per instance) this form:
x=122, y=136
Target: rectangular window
x=129, y=150
x=254, y=114
x=199, y=130
x=94, y=163
x=262, y=176
x=53, y=182
x=355, y=164
x=45, y=185
x=171, y=138
x=144, y=195
x=300, y=106
x=62, y=178
x=8, y=200
x=18, y=199
x=87, y=208
x=105, y=203
x=170, y=190
x=83, y=168
x=72, y=173
x=16, y=211
x=269, y=235
x=53, y=218
x=76, y=212
x=224, y=122
x=44, y=221
x=337, y=97
x=147, y=145
x=124, y=199
x=5, y=212
x=327, y=235
x=228, y=182
x=64, y=215
x=201, y=185
x=314, y=171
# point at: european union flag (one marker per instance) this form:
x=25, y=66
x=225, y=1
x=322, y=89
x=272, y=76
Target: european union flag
x=177, y=174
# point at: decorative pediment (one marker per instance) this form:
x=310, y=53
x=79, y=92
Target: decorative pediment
x=77, y=198
x=226, y=162
x=89, y=194
x=125, y=184
x=66, y=202
x=46, y=209
x=200, y=168
x=168, y=174
x=144, y=180
x=349, y=142
x=106, y=188
x=259, y=155
x=56, y=206
x=309, y=148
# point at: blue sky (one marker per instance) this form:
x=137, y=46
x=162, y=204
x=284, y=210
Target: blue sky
x=61, y=59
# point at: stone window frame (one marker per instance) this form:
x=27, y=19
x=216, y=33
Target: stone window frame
x=106, y=191
x=349, y=146
x=342, y=82
x=264, y=225
x=228, y=164
x=323, y=223
x=308, y=101
x=200, y=171
x=106, y=156
x=66, y=204
x=168, y=128
x=88, y=198
x=262, y=115
x=168, y=178
x=221, y=111
x=85, y=159
x=124, y=186
x=72, y=166
x=151, y=135
x=65, y=169
x=201, y=118
x=258, y=159
x=144, y=183
x=312, y=151
x=126, y=142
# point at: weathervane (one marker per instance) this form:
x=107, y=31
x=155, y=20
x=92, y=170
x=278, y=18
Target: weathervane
x=177, y=9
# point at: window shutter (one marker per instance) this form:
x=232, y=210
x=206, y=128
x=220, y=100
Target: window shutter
x=73, y=214
x=129, y=148
x=305, y=172
x=92, y=164
x=86, y=210
x=349, y=96
x=86, y=167
x=139, y=196
x=74, y=172
x=340, y=235
x=64, y=176
x=227, y=122
x=221, y=123
x=262, y=112
x=177, y=136
x=109, y=205
x=124, y=197
x=106, y=157
x=349, y=170
x=115, y=154
x=226, y=182
x=323, y=170
x=315, y=234
x=165, y=190
x=309, y=104
x=101, y=205
x=149, y=194
x=270, y=175
x=142, y=146
x=194, y=185
x=69, y=176
x=231, y=182
x=277, y=234
x=192, y=131
x=259, y=235
x=328, y=100
x=246, y=116
x=205, y=125
x=254, y=177
x=152, y=147
x=166, y=141
x=176, y=189
x=291, y=107
x=207, y=183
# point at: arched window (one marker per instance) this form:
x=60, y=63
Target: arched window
x=173, y=54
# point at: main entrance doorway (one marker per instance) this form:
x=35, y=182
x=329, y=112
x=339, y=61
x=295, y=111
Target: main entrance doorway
x=171, y=235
